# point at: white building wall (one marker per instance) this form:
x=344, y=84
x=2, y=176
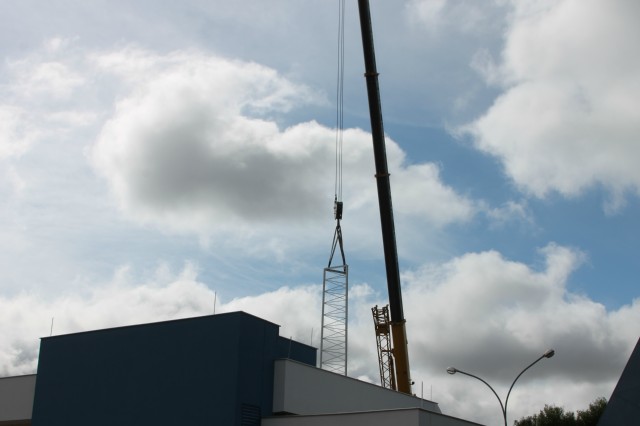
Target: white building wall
x=16, y=397
x=404, y=417
x=302, y=389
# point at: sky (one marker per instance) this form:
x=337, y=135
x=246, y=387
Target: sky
x=161, y=160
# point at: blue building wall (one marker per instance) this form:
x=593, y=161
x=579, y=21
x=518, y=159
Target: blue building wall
x=623, y=407
x=209, y=370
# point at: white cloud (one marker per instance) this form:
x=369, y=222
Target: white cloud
x=567, y=120
x=35, y=92
x=53, y=79
x=420, y=192
x=195, y=148
x=479, y=312
x=427, y=11
x=47, y=73
x=510, y=211
x=184, y=149
x=15, y=134
x=491, y=316
x=296, y=309
x=467, y=16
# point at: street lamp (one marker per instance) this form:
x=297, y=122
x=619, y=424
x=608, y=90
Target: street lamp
x=548, y=354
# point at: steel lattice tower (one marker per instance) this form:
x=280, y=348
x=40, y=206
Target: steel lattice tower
x=383, y=340
x=335, y=314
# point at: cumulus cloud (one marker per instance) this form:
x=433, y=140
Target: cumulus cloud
x=182, y=146
x=491, y=316
x=566, y=120
x=196, y=148
x=479, y=312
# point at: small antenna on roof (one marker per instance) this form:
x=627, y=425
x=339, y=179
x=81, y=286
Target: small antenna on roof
x=51, y=332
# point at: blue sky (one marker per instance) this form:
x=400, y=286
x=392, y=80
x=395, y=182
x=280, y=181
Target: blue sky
x=155, y=156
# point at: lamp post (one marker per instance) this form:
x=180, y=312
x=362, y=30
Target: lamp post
x=548, y=354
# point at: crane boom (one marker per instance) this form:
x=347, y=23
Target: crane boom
x=398, y=330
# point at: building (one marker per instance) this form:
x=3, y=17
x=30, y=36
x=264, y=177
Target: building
x=16, y=399
x=226, y=369
x=623, y=407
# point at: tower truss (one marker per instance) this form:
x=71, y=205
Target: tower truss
x=335, y=314
x=385, y=352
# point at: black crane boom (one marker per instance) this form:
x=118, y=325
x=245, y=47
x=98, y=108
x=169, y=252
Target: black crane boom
x=400, y=350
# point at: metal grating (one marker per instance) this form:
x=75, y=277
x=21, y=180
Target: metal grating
x=333, y=339
x=250, y=415
x=385, y=352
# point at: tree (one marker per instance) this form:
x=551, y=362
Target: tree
x=556, y=416
x=550, y=415
x=591, y=415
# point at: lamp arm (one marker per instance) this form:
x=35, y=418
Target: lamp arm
x=506, y=401
x=503, y=407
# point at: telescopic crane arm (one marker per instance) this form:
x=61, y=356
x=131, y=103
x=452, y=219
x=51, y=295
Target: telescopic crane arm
x=398, y=330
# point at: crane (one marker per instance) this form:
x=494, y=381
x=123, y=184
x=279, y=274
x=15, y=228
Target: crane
x=400, y=354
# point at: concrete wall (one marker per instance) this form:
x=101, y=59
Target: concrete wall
x=16, y=398
x=302, y=389
x=404, y=417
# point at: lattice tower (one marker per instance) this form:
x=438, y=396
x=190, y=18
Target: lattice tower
x=385, y=352
x=335, y=314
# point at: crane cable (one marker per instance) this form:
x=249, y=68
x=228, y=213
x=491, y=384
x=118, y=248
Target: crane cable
x=337, y=205
x=340, y=103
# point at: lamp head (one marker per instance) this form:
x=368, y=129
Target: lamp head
x=451, y=370
x=549, y=353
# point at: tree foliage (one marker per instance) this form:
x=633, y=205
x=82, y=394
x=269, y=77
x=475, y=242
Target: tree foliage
x=591, y=415
x=551, y=415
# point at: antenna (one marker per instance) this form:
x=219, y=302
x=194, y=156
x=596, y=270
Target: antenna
x=51, y=332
